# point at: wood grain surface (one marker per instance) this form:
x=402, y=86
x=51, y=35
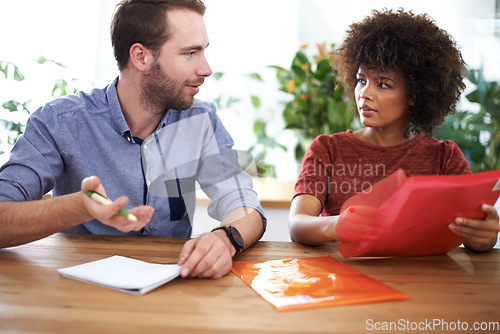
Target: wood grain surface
x=459, y=288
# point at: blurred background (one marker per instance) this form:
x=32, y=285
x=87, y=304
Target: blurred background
x=54, y=47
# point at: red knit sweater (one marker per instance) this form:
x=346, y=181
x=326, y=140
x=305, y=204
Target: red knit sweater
x=336, y=167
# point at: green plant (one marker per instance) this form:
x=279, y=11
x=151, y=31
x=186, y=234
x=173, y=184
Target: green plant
x=263, y=141
x=318, y=104
x=477, y=133
x=261, y=147
x=12, y=129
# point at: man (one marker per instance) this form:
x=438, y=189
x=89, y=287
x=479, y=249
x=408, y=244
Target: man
x=144, y=136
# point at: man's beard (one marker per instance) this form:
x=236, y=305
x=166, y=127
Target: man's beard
x=159, y=92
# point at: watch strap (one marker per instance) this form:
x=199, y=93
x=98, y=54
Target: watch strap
x=229, y=232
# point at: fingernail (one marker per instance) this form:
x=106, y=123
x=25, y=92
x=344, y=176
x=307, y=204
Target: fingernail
x=184, y=271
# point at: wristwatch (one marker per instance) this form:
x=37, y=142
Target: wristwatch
x=234, y=236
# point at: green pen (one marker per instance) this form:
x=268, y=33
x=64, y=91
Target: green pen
x=106, y=201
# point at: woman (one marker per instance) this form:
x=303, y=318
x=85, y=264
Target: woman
x=407, y=75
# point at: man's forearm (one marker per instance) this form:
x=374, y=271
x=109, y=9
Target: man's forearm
x=249, y=223
x=22, y=222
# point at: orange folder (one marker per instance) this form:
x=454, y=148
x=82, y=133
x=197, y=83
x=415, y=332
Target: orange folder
x=313, y=282
x=410, y=215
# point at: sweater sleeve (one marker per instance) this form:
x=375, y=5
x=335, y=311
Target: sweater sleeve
x=454, y=162
x=315, y=171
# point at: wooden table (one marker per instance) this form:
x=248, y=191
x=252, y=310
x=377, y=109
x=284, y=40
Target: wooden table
x=460, y=288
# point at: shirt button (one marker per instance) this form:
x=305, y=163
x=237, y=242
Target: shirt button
x=148, y=182
x=145, y=146
x=128, y=138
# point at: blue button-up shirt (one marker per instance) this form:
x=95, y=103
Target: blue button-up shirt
x=80, y=135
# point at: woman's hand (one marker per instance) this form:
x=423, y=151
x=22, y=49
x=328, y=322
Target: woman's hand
x=481, y=235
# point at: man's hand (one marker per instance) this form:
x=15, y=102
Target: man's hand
x=207, y=256
x=211, y=254
x=109, y=214
x=481, y=235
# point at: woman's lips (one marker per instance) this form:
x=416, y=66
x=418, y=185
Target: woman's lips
x=366, y=111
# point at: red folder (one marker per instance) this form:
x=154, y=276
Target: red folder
x=409, y=216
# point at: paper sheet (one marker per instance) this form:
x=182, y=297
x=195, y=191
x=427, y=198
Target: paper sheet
x=123, y=273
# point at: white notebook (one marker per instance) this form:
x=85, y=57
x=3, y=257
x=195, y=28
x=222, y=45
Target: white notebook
x=124, y=274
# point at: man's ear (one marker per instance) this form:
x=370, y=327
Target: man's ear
x=139, y=56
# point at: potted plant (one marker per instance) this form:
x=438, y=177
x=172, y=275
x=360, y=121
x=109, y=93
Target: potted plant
x=477, y=133
x=318, y=104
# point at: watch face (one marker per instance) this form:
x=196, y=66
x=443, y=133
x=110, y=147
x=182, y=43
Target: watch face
x=237, y=236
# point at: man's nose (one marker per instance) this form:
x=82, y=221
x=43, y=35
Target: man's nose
x=204, y=69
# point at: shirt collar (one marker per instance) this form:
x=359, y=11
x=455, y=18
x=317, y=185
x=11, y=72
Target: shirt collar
x=118, y=118
x=116, y=110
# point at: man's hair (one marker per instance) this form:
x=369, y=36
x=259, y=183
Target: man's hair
x=144, y=21
x=414, y=46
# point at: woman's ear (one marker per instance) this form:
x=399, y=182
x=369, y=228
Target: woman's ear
x=139, y=56
x=411, y=101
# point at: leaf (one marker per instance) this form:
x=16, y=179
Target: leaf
x=18, y=76
x=217, y=75
x=256, y=101
x=302, y=105
x=472, y=76
x=323, y=68
x=256, y=76
x=59, y=88
x=299, y=152
x=283, y=78
x=58, y=63
x=259, y=126
x=301, y=59
x=473, y=96
x=277, y=68
x=217, y=102
x=232, y=100
x=41, y=60
x=3, y=69
x=10, y=105
x=493, y=109
x=300, y=74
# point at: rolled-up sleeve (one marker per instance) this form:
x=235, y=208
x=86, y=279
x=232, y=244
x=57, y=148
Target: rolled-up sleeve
x=221, y=175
